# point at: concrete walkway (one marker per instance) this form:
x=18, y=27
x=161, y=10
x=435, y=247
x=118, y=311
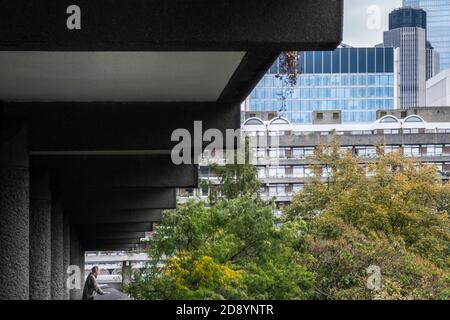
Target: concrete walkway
x=112, y=294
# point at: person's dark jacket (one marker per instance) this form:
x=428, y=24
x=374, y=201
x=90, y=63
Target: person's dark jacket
x=91, y=288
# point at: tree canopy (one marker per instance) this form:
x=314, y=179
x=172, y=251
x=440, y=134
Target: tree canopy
x=392, y=213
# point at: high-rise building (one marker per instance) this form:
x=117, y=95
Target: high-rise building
x=417, y=59
x=438, y=90
x=355, y=81
x=438, y=26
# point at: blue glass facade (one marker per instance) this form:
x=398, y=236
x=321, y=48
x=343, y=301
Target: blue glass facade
x=438, y=26
x=357, y=81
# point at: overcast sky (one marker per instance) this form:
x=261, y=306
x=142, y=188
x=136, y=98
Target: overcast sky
x=365, y=21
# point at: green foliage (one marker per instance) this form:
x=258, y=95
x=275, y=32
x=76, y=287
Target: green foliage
x=394, y=214
x=233, y=249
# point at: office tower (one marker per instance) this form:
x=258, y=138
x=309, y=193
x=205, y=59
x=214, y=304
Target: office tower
x=417, y=60
x=355, y=81
x=438, y=26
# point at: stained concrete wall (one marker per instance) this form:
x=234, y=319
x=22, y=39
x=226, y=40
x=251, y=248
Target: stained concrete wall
x=66, y=253
x=77, y=259
x=14, y=211
x=40, y=235
x=57, y=243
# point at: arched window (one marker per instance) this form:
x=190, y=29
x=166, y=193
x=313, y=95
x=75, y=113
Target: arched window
x=389, y=119
x=414, y=119
x=253, y=122
x=279, y=121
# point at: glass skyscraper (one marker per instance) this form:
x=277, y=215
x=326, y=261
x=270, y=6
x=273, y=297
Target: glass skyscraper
x=438, y=16
x=357, y=81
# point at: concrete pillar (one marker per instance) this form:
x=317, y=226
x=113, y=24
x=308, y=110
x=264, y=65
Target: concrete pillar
x=75, y=293
x=40, y=235
x=14, y=210
x=82, y=263
x=57, y=261
x=66, y=252
x=126, y=273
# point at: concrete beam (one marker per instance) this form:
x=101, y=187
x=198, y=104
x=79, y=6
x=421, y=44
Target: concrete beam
x=114, y=228
x=89, y=243
x=118, y=235
x=119, y=171
x=121, y=128
x=204, y=25
x=120, y=199
x=115, y=216
x=117, y=247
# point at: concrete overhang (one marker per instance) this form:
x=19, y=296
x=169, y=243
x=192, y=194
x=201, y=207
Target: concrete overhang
x=120, y=199
x=114, y=228
x=153, y=50
x=117, y=171
x=116, y=247
x=89, y=244
x=118, y=235
x=114, y=216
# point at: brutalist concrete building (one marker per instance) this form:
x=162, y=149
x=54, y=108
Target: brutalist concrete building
x=90, y=93
x=284, y=163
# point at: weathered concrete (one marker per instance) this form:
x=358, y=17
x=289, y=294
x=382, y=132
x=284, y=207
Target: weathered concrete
x=115, y=227
x=66, y=252
x=120, y=199
x=75, y=259
x=126, y=273
x=113, y=247
x=116, y=216
x=40, y=235
x=117, y=235
x=57, y=241
x=139, y=171
x=102, y=243
x=14, y=210
x=173, y=25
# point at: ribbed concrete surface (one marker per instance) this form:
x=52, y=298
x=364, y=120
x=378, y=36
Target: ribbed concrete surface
x=14, y=233
x=57, y=263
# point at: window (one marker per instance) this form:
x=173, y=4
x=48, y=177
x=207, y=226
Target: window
x=411, y=151
x=336, y=57
x=413, y=119
x=319, y=116
x=335, y=116
x=380, y=60
x=344, y=60
x=371, y=60
x=410, y=131
x=253, y=122
x=389, y=119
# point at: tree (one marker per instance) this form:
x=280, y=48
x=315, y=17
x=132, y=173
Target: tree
x=232, y=248
x=393, y=214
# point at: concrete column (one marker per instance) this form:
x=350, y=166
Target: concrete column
x=14, y=210
x=82, y=263
x=57, y=263
x=40, y=235
x=66, y=252
x=126, y=273
x=75, y=293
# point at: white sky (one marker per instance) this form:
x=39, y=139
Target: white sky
x=365, y=29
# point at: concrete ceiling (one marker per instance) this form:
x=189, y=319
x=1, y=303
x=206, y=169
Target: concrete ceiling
x=115, y=76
